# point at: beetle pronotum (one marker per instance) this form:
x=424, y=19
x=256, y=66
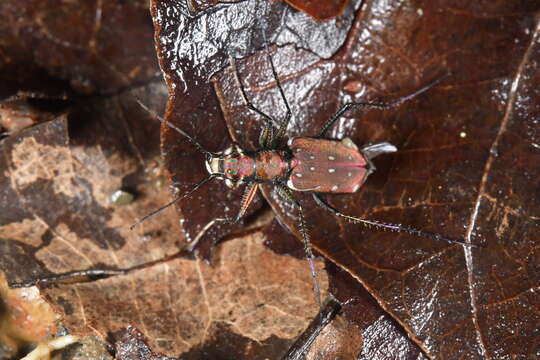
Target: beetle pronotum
x=306, y=164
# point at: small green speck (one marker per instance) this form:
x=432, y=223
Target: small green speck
x=121, y=197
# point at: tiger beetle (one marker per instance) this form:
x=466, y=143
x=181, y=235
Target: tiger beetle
x=314, y=165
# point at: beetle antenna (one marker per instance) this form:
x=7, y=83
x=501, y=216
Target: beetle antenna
x=177, y=129
x=386, y=226
x=178, y=198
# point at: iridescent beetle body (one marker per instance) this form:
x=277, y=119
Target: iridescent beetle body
x=238, y=167
x=308, y=164
x=304, y=164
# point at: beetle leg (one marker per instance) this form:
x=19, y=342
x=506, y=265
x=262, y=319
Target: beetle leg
x=285, y=123
x=269, y=121
x=304, y=341
x=247, y=199
x=264, y=135
x=385, y=226
x=377, y=105
x=286, y=194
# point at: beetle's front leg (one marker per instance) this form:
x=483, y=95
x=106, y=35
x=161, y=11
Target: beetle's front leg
x=247, y=200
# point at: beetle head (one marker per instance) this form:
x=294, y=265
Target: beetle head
x=225, y=164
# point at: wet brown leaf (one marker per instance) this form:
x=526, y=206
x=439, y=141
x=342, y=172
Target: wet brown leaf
x=188, y=63
x=467, y=163
x=467, y=167
x=320, y=10
x=81, y=47
x=61, y=228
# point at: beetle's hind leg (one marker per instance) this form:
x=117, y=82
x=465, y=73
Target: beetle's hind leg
x=385, y=226
x=287, y=195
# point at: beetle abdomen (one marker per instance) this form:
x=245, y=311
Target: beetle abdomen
x=326, y=166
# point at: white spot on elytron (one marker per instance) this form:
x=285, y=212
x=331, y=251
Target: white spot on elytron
x=331, y=170
x=356, y=187
x=334, y=188
x=312, y=168
x=349, y=143
x=299, y=175
x=349, y=174
x=312, y=157
x=463, y=134
x=349, y=157
x=330, y=157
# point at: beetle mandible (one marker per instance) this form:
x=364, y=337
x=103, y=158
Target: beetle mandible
x=314, y=165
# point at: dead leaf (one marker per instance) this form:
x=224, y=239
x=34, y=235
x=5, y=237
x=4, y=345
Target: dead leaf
x=186, y=305
x=320, y=10
x=467, y=151
x=80, y=47
x=467, y=167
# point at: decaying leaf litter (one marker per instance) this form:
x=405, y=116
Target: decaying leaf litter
x=410, y=280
